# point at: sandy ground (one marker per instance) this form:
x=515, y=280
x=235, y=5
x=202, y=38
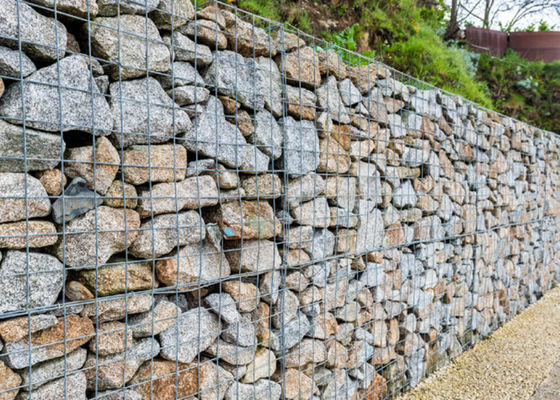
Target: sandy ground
x=511, y=364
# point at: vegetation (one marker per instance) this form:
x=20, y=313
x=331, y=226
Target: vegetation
x=408, y=35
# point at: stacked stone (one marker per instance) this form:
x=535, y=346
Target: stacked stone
x=191, y=207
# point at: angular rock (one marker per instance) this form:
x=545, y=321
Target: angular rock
x=272, y=87
x=370, y=234
x=14, y=206
x=93, y=238
x=308, y=351
x=242, y=333
x=231, y=353
x=329, y=98
x=237, y=77
x=181, y=74
x=40, y=288
x=67, y=334
x=130, y=108
x=265, y=186
x=10, y=63
x=205, y=32
x=20, y=235
x=98, y=174
x=297, y=385
x=223, y=306
x=186, y=50
x=313, y=213
x=41, y=37
x=245, y=295
x=268, y=136
x=155, y=321
x=302, y=65
x=72, y=386
x=77, y=200
x=45, y=110
x=115, y=309
x=194, y=332
x=301, y=103
x=47, y=371
x=292, y=333
x=111, y=8
x=155, y=163
x=172, y=13
x=269, y=287
x=304, y=189
x=263, y=366
x=301, y=147
x=166, y=232
x=187, y=95
x=167, y=379
x=195, y=263
x=111, y=337
x=53, y=180
x=404, y=196
x=322, y=245
x=127, y=49
x=349, y=93
x=252, y=255
x=263, y=388
x=15, y=329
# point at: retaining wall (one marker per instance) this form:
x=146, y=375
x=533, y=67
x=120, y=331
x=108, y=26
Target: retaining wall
x=210, y=205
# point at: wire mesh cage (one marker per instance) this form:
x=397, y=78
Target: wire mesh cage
x=200, y=203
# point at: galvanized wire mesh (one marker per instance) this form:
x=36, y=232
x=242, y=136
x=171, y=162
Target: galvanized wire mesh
x=208, y=204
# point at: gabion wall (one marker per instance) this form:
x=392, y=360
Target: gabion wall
x=205, y=204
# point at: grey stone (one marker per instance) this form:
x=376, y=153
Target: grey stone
x=214, y=137
x=268, y=135
x=187, y=50
x=262, y=389
x=41, y=150
x=272, y=87
x=52, y=369
x=232, y=353
x=328, y=97
x=374, y=275
x=269, y=287
x=369, y=181
x=253, y=255
x=171, y=14
x=305, y=188
x=193, y=332
x=41, y=288
x=126, y=394
x=131, y=99
x=341, y=386
x=237, y=77
x=255, y=161
x=322, y=245
x=293, y=332
x=80, y=8
x=41, y=37
x=117, y=308
x=301, y=146
x=137, y=37
x=187, y=95
x=181, y=74
x=76, y=200
x=164, y=233
x=78, y=105
x=313, y=213
x=404, y=196
x=155, y=321
x=242, y=333
x=223, y=306
x=413, y=157
x=370, y=233
x=111, y=8
x=349, y=93
x=10, y=63
x=71, y=386
x=285, y=309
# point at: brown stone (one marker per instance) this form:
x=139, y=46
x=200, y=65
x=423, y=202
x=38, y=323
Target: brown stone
x=261, y=319
x=364, y=76
x=168, y=379
x=394, y=234
x=155, y=163
x=230, y=105
x=8, y=378
x=297, y=385
x=245, y=295
x=333, y=64
x=333, y=158
x=263, y=366
x=110, y=310
x=76, y=291
x=302, y=65
x=118, y=193
x=19, y=235
x=337, y=355
x=377, y=390
x=53, y=180
x=243, y=121
x=296, y=257
x=15, y=329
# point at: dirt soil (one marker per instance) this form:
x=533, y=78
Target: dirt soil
x=511, y=364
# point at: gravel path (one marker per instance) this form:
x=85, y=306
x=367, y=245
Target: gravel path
x=511, y=364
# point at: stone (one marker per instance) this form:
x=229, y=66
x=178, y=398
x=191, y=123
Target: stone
x=194, y=331
x=10, y=63
x=29, y=280
x=301, y=65
x=349, y=94
x=329, y=98
x=264, y=186
x=42, y=38
x=223, y=305
x=80, y=107
x=242, y=333
x=370, y=233
x=120, y=195
x=232, y=353
x=131, y=102
x=263, y=366
x=246, y=38
x=333, y=158
x=238, y=77
x=72, y=386
x=245, y=295
x=404, y=196
x=291, y=335
x=127, y=394
x=304, y=189
x=285, y=308
x=32, y=234
x=272, y=88
x=137, y=36
x=247, y=220
x=77, y=200
x=263, y=388
x=205, y=32
x=111, y=8
x=342, y=191
x=42, y=150
x=301, y=103
x=268, y=136
x=15, y=329
x=172, y=14
x=113, y=371
x=195, y=263
x=214, y=137
x=117, y=308
x=308, y=351
x=76, y=291
x=53, y=181
x=322, y=245
x=253, y=256
x=297, y=385
x=166, y=232
x=369, y=181
x=181, y=74
x=186, y=50
x=154, y=163
x=49, y=370
x=94, y=237
x=301, y=147
x=155, y=321
x=69, y=333
x=187, y=95
x=312, y=213
x=14, y=206
x=98, y=174
x=111, y=337
x=117, y=278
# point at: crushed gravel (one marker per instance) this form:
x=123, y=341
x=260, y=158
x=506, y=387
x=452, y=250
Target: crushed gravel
x=509, y=365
